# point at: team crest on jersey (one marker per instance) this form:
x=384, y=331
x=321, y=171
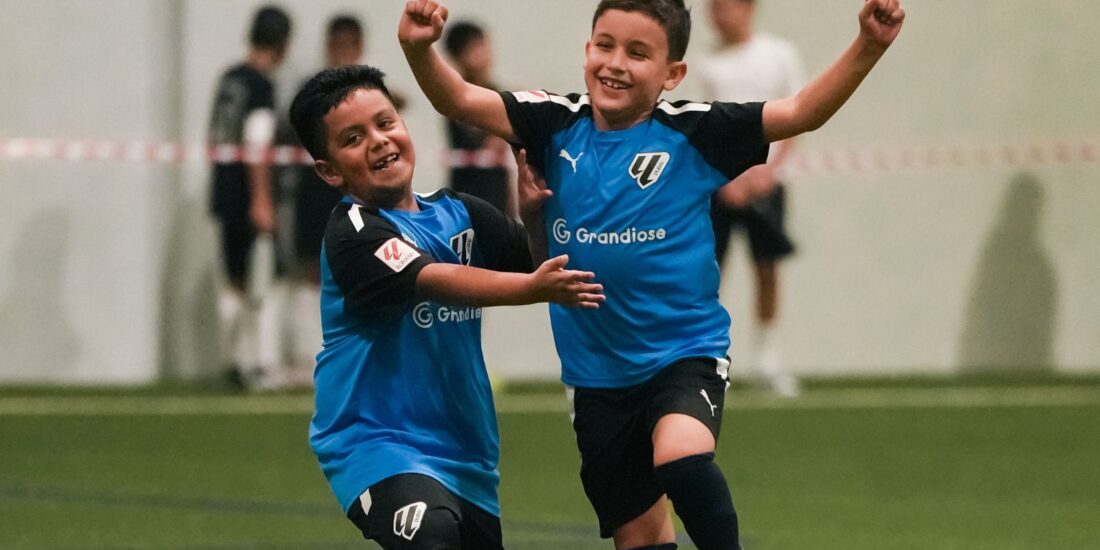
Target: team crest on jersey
x=463, y=246
x=396, y=254
x=646, y=168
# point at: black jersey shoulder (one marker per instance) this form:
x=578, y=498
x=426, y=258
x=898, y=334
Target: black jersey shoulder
x=730, y=136
x=371, y=281
x=537, y=115
x=349, y=220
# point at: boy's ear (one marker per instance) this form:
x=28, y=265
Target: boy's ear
x=328, y=172
x=677, y=70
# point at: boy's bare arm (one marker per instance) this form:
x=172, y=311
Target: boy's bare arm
x=262, y=206
x=421, y=25
x=880, y=22
x=551, y=282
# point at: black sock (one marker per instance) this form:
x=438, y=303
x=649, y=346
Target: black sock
x=669, y=546
x=701, y=498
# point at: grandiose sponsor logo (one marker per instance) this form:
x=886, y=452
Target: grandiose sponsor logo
x=426, y=314
x=583, y=235
x=561, y=234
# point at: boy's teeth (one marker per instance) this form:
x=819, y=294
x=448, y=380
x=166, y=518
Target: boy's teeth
x=385, y=160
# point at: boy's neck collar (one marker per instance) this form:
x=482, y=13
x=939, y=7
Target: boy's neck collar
x=406, y=204
x=604, y=125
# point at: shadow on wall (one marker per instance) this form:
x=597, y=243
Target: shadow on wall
x=36, y=337
x=1009, y=322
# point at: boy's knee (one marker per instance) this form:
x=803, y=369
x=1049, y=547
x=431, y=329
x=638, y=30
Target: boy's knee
x=678, y=436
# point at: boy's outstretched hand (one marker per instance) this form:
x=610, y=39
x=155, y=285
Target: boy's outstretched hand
x=551, y=282
x=421, y=23
x=880, y=21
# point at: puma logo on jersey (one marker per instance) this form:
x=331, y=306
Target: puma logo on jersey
x=573, y=161
x=647, y=167
x=707, y=397
x=406, y=521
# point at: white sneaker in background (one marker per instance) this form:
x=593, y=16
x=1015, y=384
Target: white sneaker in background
x=783, y=383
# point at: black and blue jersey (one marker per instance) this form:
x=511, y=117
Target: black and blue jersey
x=633, y=206
x=401, y=385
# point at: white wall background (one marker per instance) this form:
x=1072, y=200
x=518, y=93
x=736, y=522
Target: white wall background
x=108, y=270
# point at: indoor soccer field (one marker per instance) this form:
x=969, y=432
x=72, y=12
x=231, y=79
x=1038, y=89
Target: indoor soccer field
x=970, y=464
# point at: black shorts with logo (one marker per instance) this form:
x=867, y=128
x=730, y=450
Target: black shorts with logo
x=416, y=512
x=763, y=220
x=614, y=429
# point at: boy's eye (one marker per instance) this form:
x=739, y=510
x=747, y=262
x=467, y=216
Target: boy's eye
x=353, y=139
x=603, y=46
x=638, y=54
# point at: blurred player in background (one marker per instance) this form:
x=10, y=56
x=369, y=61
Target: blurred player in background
x=480, y=162
x=404, y=426
x=243, y=201
x=755, y=66
x=313, y=201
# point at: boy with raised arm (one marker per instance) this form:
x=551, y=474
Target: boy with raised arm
x=404, y=426
x=631, y=178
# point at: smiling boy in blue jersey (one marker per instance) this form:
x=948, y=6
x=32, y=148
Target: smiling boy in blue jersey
x=647, y=369
x=404, y=426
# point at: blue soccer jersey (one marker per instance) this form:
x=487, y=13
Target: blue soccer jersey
x=401, y=385
x=633, y=206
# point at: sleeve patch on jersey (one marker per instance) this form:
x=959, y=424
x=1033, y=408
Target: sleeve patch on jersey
x=535, y=96
x=396, y=254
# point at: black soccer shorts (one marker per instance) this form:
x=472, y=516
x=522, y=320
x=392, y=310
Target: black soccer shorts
x=614, y=433
x=416, y=512
x=764, y=220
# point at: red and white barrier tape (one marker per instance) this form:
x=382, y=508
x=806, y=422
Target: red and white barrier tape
x=882, y=159
x=143, y=151
x=852, y=161
x=480, y=158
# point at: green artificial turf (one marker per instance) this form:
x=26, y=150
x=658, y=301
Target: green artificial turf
x=803, y=477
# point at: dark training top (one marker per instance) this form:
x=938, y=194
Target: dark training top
x=241, y=90
x=474, y=168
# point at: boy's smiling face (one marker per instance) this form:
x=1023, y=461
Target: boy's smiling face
x=627, y=67
x=370, y=153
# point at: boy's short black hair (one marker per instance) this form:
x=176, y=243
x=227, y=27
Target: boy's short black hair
x=270, y=28
x=322, y=94
x=672, y=15
x=460, y=35
x=345, y=23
